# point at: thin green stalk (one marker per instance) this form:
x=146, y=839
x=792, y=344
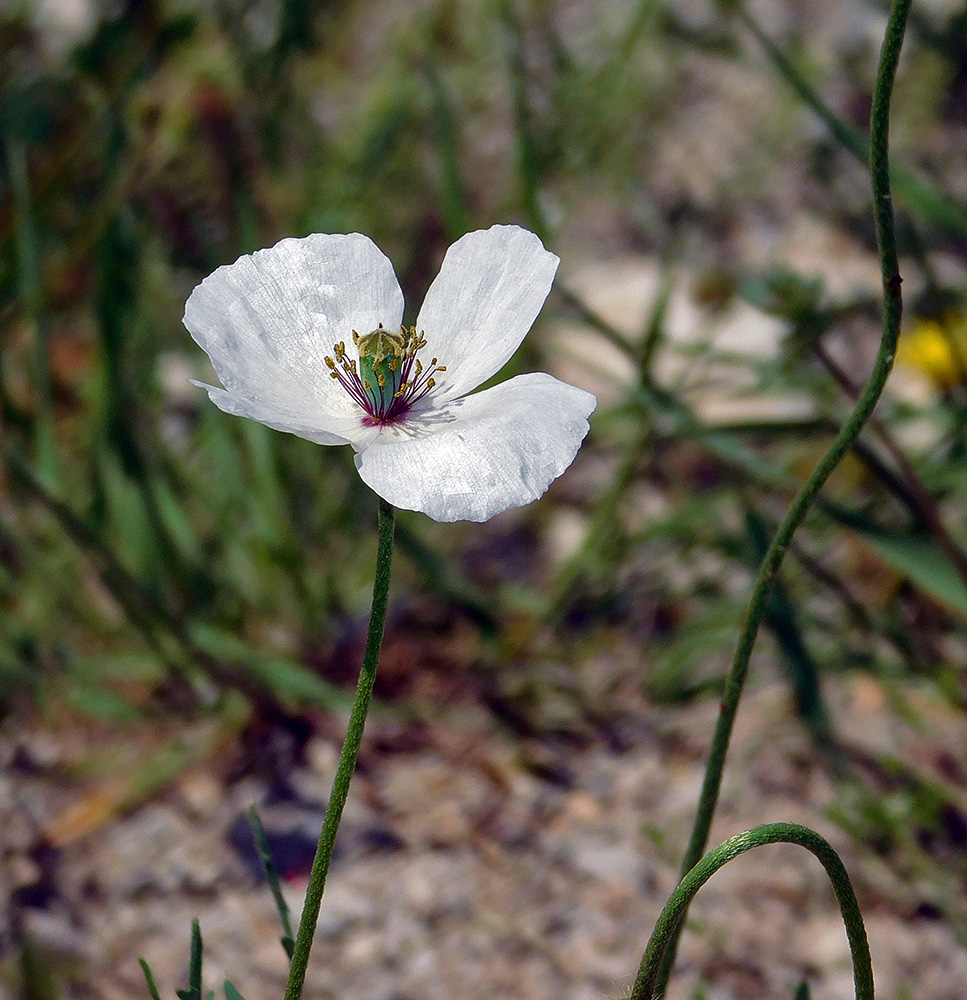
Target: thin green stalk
x=453, y=198
x=347, y=758
x=281, y=906
x=528, y=151
x=587, y=315
x=193, y=992
x=149, y=977
x=892, y=312
x=665, y=934
x=34, y=310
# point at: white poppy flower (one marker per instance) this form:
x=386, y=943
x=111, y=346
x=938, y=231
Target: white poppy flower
x=306, y=337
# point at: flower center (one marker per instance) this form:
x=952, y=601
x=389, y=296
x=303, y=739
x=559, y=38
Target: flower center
x=389, y=378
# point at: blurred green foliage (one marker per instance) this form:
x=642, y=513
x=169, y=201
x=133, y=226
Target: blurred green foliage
x=146, y=146
x=156, y=554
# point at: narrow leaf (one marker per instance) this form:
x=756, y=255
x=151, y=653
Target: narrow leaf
x=194, y=966
x=152, y=988
x=924, y=564
x=262, y=843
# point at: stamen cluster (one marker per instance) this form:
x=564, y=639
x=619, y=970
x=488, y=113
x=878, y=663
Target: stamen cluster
x=389, y=377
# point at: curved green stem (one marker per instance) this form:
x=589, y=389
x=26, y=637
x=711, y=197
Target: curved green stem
x=664, y=934
x=893, y=308
x=347, y=758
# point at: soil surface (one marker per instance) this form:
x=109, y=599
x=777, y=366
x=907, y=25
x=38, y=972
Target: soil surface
x=474, y=861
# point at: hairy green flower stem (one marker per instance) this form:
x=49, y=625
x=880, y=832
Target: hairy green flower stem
x=665, y=933
x=347, y=758
x=892, y=312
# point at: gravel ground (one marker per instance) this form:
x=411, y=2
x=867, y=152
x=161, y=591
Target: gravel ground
x=476, y=862
x=472, y=863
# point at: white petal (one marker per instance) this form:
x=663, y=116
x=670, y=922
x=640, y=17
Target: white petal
x=338, y=429
x=268, y=321
x=487, y=295
x=472, y=458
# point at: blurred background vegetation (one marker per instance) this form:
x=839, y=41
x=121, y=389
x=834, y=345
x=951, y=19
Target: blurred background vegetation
x=163, y=564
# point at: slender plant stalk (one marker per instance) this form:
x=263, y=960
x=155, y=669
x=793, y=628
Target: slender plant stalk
x=149, y=978
x=453, y=198
x=892, y=312
x=35, y=312
x=347, y=758
x=528, y=151
x=664, y=935
x=281, y=906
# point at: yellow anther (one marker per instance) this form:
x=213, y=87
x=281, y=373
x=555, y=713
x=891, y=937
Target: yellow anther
x=385, y=377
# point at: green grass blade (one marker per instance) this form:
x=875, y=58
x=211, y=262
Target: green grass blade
x=31, y=303
x=262, y=843
x=923, y=563
x=193, y=992
x=529, y=159
x=455, y=215
x=935, y=206
x=149, y=977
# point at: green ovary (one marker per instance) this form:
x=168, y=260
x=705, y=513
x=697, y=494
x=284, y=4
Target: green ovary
x=381, y=356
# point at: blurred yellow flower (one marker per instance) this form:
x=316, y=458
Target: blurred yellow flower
x=938, y=349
